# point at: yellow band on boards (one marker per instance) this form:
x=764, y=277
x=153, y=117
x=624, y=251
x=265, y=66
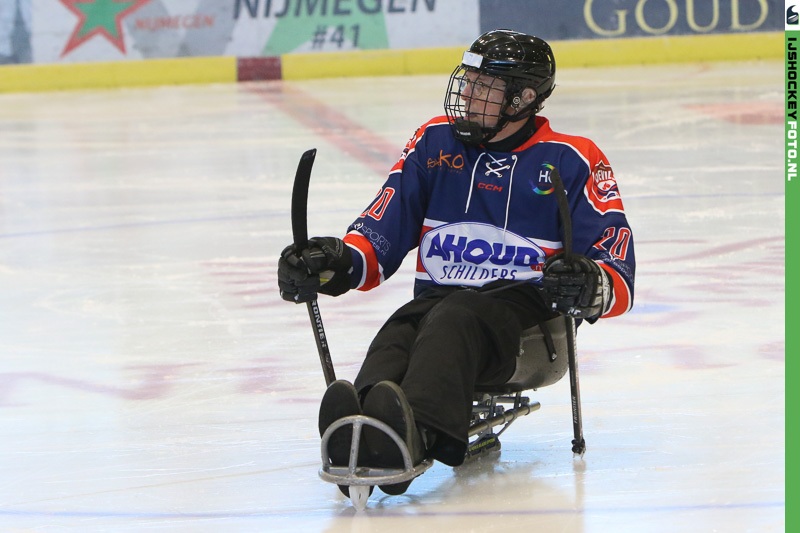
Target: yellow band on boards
x=569, y=54
x=65, y=76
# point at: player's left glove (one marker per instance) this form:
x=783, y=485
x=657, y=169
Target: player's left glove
x=579, y=288
x=324, y=266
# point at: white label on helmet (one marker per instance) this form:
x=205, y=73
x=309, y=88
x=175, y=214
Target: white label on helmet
x=472, y=60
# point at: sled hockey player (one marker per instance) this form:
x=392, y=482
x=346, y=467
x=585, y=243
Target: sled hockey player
x=472, y=192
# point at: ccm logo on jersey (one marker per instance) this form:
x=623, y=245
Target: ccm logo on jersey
x=601, y=190
x=472, y=254
x=490, y=187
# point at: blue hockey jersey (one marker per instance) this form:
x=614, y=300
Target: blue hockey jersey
x=476, y=215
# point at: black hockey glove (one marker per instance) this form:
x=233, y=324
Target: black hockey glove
x=322, y=267
x=579, y=288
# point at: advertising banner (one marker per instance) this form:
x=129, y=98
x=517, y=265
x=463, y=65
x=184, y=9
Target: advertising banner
x=112, y=30
x=72, y=31
x=593, y=19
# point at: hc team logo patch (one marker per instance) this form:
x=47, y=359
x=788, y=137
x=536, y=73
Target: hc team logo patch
x=544, y=183
x=601, y=190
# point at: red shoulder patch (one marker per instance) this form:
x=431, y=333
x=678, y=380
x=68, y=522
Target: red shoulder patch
x=601, y=190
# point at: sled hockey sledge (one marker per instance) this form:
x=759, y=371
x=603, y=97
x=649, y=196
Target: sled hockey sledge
x=547, y=352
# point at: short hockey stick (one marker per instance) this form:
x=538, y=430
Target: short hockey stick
x=563, y=211
x=300, y=234
x=578, y=443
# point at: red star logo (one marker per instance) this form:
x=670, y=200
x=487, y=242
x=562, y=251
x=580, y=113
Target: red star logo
x=99, y=17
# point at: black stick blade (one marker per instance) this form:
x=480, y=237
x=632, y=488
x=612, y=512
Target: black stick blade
x=300, y=198
x=563, y=211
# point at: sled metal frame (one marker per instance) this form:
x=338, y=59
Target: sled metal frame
x=547, y=353
x=543, y=350
x=354, y=475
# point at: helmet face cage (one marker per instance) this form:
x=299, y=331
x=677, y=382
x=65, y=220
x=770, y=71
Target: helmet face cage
x=514, y=60
x=476, y=107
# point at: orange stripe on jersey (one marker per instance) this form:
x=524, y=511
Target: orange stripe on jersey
x=412, y=142
x=550, y=252
x=425, y=229
x=544, y=133
x=622, y=293
x=372, y=270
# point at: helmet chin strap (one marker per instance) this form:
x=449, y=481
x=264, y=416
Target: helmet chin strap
x=473, y=133
x=468, y=131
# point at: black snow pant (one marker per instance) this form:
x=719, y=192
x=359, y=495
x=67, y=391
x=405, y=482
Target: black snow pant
x=442, y=344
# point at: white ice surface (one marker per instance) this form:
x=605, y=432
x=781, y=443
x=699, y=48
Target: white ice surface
x=152, y=379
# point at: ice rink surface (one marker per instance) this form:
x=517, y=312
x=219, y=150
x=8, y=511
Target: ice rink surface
x=151, y=379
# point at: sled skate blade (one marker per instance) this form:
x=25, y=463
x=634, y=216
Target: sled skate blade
x=359, y=494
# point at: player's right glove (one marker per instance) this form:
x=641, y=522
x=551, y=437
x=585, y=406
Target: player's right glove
x=324, y=266
x=578, y=287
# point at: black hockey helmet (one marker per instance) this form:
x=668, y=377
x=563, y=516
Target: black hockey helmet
x=521, y=61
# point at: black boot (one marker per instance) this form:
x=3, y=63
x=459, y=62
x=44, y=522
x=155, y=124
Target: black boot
x=387, y=402
x=340, y=400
